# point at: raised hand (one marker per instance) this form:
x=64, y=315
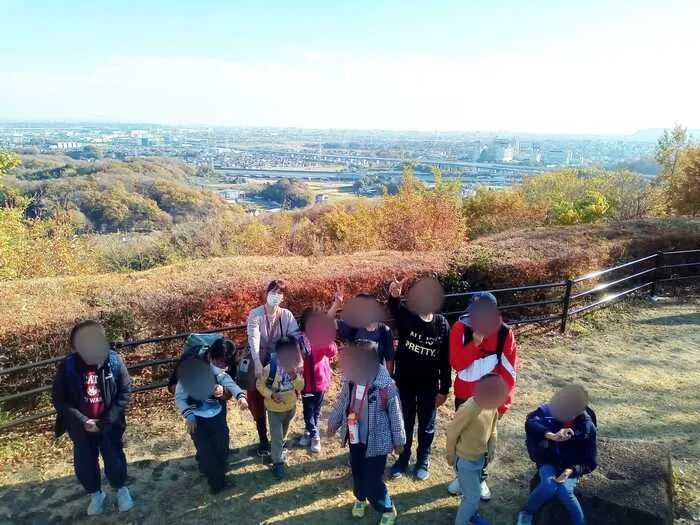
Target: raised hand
x=396, y=287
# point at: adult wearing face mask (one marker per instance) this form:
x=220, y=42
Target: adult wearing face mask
x=423, y=376
x=91, y=391
x=267, y=324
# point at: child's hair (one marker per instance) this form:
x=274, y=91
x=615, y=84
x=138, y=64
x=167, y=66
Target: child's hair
x=368, y=296
x=306, y=315
x=575, y=393
x=366, y=344
x=79, y=326
x=222, y=350
x=276, y=284
x=285, y=343
x=490, y=375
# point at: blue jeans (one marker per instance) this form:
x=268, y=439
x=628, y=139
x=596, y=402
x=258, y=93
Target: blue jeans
x=368, y=478
x=469, y=474
x=312, y=412
x=421, y=405
x=548, y=489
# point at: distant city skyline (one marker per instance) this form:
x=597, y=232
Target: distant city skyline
x=546, y=67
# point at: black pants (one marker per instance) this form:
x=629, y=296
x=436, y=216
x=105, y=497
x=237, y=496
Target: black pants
x=87, y=448
x=418, y=404
x=211, y=441
x=484, y=474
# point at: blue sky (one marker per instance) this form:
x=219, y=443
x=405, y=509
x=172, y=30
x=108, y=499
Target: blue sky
x=537, y=66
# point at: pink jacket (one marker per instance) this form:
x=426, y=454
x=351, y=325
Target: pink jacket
x=317, y=368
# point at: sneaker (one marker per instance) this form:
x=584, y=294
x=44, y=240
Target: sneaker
x=397, y=470
x=278, y=471
x=422, y=472
x=524, y=518
x=454, y=488
x=316, y=445
x=485, y=491
x=389, y=518
x=358, y=509
x=124, y=501
x=305, y=440
x=97, y=500
x=264, y=450
x=479, y=520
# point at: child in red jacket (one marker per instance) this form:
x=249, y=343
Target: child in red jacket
x=481, y=344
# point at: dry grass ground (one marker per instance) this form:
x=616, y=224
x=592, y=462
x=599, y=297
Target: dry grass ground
x=639, y=361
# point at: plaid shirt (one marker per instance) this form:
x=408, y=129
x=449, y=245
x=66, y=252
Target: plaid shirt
x=386, y=428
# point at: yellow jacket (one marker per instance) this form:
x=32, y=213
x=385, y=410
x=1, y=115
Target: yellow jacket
x=282, y=385
x=472, y=433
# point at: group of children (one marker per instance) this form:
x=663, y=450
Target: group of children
x=376, y=410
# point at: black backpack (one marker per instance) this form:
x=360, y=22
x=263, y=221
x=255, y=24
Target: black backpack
x=196, y=346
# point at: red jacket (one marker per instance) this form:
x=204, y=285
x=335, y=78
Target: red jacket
x=472, y=362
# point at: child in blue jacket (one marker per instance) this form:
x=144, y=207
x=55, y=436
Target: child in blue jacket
x=561, y=440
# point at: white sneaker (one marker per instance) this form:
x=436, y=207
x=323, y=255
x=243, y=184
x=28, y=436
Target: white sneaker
x=124, y=501
x=454, y=488
x=485, y=491
x=316, y=445
x=97, y=500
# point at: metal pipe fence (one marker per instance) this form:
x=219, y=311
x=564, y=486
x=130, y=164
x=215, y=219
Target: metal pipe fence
x=572, y=304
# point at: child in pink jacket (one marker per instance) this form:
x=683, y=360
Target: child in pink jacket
x=317, y=378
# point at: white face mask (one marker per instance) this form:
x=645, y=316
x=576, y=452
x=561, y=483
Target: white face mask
x=274, y=299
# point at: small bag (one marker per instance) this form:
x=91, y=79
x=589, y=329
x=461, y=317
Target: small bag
x=353, y=429
x=245, y=374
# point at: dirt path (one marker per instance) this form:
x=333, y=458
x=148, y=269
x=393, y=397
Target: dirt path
x=640, y=363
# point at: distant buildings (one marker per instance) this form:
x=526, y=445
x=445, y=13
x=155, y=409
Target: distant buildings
x=232, y=195
x=557, y=157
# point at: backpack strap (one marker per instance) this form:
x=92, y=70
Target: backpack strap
x=501, y=343
x=591, y=413
x=384, y=397
x=273, y=371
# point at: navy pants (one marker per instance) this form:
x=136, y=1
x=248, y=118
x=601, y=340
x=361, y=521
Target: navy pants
x=211, y=441
x=418, y=404
x=87, y=448
x=312, y=412
x=368, y=478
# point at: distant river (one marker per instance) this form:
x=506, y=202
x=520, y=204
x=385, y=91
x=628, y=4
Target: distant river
x=494, y=180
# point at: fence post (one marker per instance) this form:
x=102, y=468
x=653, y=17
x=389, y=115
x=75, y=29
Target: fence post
x=658, y=262
x=567, y=301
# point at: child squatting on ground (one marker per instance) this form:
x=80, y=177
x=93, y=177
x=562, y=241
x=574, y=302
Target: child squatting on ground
x=280, y=383
x=470, y=438
x=369, y=412
x=561, y=440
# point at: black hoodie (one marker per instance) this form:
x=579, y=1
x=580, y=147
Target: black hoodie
x=423, y=354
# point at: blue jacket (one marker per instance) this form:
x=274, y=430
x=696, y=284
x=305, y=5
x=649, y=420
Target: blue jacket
x=67, y=393
x=580, y=453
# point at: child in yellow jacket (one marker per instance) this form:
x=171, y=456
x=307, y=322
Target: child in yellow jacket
x=280, y=383
x=470, y=437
